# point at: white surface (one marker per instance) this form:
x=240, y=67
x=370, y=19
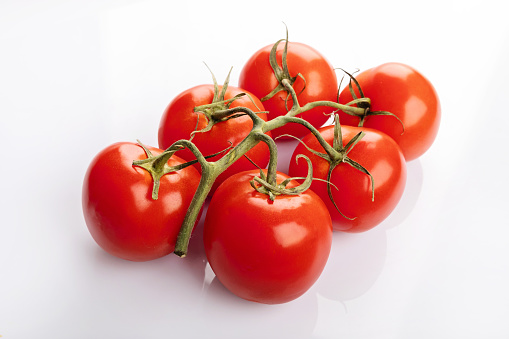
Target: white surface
x=76, y=76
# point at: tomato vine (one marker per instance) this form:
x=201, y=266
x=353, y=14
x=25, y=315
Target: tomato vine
x=212, y=169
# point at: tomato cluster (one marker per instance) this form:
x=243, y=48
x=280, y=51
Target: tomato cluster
x=267, y=235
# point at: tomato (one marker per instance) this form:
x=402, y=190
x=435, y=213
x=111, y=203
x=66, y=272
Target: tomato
x=351, y=188
x=262, y=250
x=179, y=121
x=257, y=76
x=118, y=207
x=403, y=91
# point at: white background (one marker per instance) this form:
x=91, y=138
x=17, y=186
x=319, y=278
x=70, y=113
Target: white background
x=76, y=76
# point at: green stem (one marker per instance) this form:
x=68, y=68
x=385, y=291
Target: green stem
x=272, y=167
x=209, y=174
x=207, y=180
x=297, y=109
x=223, y=114
x=211, y=170
x=331, y=152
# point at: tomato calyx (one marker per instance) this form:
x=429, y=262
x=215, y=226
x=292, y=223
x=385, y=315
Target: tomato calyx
x=214, y=112
x=337, y=155
x=263, y=184
x=363, y=102
x=157, y=165
x=282, y=73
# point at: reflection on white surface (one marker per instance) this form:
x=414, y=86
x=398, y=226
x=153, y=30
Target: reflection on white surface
x=257, y=320
x=409, y=198
x=355, y=262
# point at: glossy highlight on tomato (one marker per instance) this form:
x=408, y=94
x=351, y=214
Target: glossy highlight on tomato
x=320, y=83
x=179, y=121
x=403, y=91
x=266, y=251
x=118, y=207
x=352, y=189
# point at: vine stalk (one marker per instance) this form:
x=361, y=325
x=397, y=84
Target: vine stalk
x=211, y=170
x=219, y=111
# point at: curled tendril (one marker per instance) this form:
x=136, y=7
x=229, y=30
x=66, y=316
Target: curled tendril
x=337, y=156
x=280, y=189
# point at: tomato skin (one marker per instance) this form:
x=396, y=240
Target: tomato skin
x=321, y=83
x=179, y=120
x=118, y=207
x=403, y=91
x=264, y=251
x=377, y=153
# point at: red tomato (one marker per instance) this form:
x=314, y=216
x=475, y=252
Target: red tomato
x=377, y=153
x=266, y=251
x=119, y=210
x=403, y=91
x=179, y=121
x=320, y=83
